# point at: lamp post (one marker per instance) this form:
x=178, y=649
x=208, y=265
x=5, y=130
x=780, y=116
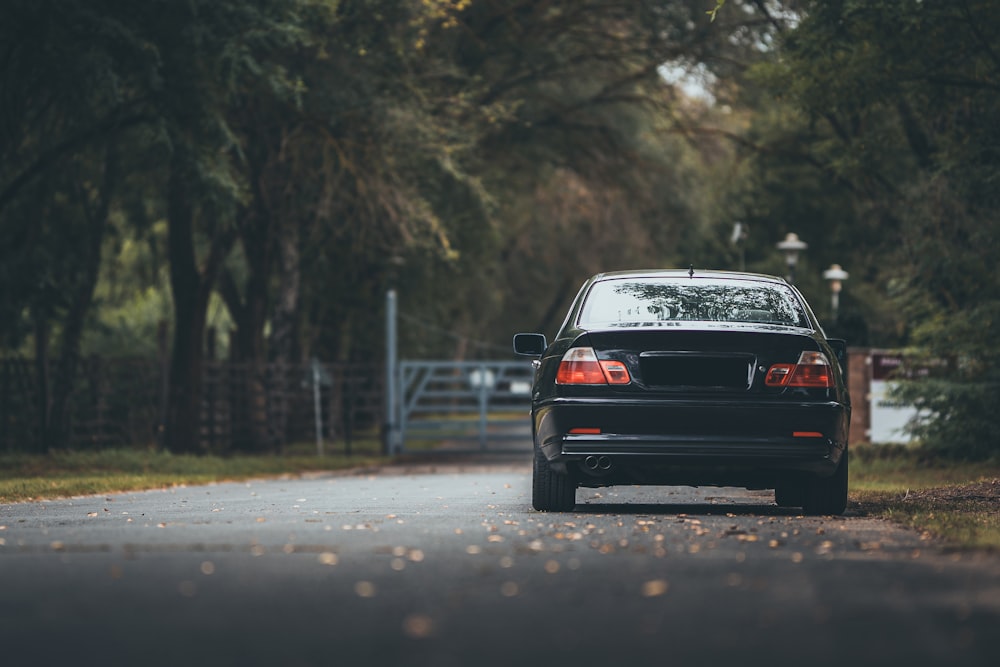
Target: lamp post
x=740, y=232
x=791, y=246
x=836, y=276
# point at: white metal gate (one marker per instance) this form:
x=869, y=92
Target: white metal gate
x=453, y=406
x=464, y=405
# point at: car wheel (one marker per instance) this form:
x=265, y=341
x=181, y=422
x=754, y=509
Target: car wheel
x=827, y=495
x=789, y=493
x=550, y=491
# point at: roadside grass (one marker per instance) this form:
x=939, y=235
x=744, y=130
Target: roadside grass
x=956, y=502
x=26, y=477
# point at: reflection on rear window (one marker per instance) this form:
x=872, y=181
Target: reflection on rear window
x=637, y=301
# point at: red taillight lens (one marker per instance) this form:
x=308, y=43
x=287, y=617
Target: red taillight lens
x=615, y=372
x=580, y=366
x=778, y=374
x=812, y=370
x=811, y=376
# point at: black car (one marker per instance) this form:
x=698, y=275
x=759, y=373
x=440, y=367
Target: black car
x=683, y=377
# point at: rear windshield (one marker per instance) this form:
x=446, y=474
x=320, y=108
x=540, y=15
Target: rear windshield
x=633, y=301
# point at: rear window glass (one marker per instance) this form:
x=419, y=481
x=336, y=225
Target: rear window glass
x=649, y=300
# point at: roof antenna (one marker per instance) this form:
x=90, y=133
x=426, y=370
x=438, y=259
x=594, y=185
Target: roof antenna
x=691, y=271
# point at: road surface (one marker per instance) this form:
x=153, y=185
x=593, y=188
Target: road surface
x=447, y=565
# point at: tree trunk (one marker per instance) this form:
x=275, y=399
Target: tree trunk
x=286, y=305
x=286, y=308
x=42, y=375
x=60, y=419
x=191, y=289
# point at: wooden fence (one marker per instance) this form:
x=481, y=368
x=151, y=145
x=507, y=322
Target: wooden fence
x=121, y=403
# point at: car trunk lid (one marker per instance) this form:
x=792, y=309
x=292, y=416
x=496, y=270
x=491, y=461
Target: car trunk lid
x=701, y=360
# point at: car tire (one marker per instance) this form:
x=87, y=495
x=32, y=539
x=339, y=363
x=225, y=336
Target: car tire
x=789, y=493
x=827, y=495
x=550, y=491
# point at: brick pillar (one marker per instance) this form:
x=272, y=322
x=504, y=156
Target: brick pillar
x=859, y=381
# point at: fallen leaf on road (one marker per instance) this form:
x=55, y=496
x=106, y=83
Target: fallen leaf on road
x=365, y=589
x=418, y=626
x=654, y=588
x=824, y=548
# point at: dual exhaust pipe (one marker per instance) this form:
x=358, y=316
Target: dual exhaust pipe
x=597, y=463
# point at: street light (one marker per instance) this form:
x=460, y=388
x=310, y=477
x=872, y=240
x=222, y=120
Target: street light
x=836, y=276
x=740, y=232
x=791, y=247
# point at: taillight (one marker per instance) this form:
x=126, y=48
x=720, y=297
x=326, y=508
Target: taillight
x=580, y=366
x=812, y=370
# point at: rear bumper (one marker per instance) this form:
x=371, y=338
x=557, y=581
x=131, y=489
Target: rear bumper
x=732, y=442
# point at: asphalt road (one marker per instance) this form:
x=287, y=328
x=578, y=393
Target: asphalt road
x=451, y=567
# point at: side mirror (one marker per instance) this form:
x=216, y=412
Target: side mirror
x=530, y=344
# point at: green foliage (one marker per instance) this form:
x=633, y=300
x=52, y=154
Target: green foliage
x=894, y=107
x=291, y=159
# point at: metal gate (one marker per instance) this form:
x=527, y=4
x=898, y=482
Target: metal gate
x=454, y=406
x=464, y=406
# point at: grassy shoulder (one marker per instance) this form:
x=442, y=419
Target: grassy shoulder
x=957, y=503
x=26, y=477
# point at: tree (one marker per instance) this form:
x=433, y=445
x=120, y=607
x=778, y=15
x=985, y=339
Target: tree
x=212, y=52
x=69, y=105
x=900, y=99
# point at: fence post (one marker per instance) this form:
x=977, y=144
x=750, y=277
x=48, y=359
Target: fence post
x=317, y=406
x=484, y=381
x=163, y=356
x=5, y=390
x=390, y=434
